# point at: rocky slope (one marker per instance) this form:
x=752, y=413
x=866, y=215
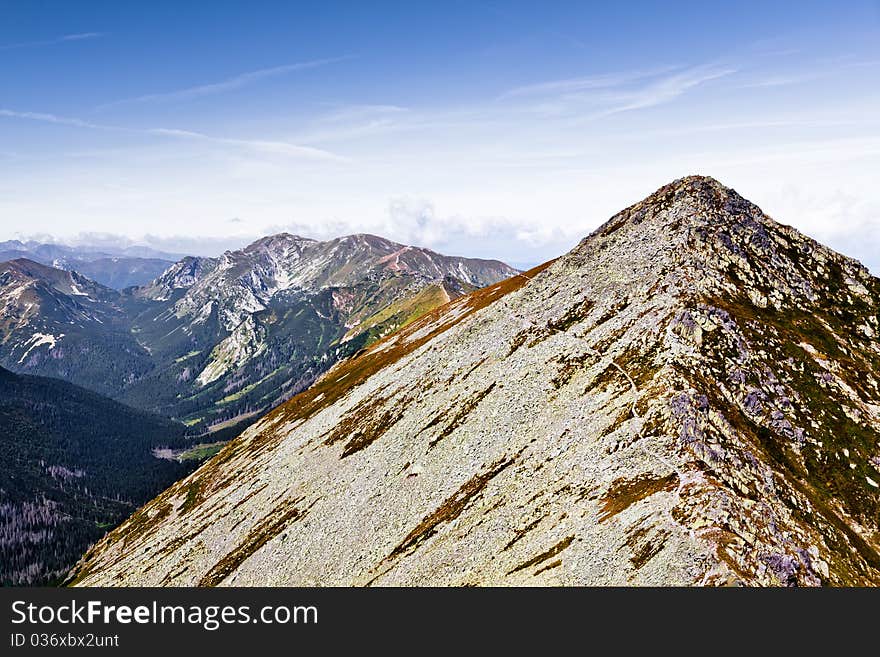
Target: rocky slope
x=688, y=397
x=280, y=312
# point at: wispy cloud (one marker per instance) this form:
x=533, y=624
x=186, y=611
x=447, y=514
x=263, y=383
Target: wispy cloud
x=51, y=118
x=260, y=145
x=602, y=95
x=229, y=84
x=354, y=112
x=779, y=81
x=81, y=36
x=822, y=69
x=668, y=88
x=354, y=122
x=574, y=85
x=761, y=124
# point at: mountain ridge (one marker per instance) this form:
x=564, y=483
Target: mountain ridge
x=59, y=323
x=115, y=268
x=690, y=396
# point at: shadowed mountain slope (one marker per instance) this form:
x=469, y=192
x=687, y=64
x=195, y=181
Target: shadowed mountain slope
x=72, y=464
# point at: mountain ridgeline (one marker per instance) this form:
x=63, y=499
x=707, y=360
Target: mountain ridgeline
x=74, y=463
x=115, y=268
x=688, y=397
x=215, y=342
x=61, y=324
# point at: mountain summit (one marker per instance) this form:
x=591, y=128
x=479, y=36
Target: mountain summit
x=242, y=282
x=690, y=396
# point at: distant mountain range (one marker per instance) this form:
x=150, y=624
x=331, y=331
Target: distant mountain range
x=73, y=464
x=688, y=397
x=217, y=341
x=118, y=268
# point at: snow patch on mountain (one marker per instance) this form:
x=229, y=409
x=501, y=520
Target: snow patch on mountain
x=37, y=340
x=74, y=290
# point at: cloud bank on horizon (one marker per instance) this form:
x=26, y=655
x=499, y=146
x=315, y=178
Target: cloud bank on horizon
x=476, y=130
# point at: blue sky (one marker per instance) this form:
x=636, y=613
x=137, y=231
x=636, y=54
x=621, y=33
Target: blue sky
x=479, y=128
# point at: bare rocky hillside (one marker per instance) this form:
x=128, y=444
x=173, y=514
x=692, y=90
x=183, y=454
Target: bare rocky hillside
x=688, y=397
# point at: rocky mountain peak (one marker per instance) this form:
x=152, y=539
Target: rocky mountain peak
x=64, y=281
x=710, y=240
x=242, y=282
x=690, y=396
x=182, y=275
x=694, y=206
x=277, y=242
x=369, y=240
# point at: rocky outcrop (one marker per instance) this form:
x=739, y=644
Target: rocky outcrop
x=689, y=397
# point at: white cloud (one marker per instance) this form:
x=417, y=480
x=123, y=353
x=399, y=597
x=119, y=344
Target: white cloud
x=780, y=81
x=50, y=118
x=599, y=96
x=354, y=122
x=847, y=220
x=229, y=84
x=82, y=36
x=667, y=88
x=261, y=145
x=573, y=85
x=357, y=112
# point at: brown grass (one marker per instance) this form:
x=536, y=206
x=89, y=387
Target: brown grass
x=451, y=507
x=623, y=493
x=264, y=531
x=552, y=552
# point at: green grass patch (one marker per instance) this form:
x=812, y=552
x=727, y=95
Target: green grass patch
x=201, y=452
x=238, y=395
x=187, y=356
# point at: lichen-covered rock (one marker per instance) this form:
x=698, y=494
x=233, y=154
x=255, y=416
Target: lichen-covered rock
x=688, y=397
